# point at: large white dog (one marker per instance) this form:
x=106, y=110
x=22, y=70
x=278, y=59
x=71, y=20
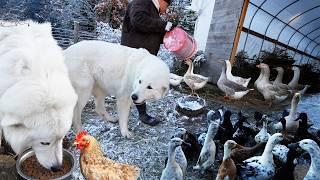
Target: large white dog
x=36, y=96
x=129, y=74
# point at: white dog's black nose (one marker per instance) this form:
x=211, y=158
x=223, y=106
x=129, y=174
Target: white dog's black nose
x=134, y=97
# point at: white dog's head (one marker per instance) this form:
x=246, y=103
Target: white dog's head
x=151, y=81
x=37, y=98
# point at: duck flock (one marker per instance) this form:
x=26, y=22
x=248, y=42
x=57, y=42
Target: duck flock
x=261, y=149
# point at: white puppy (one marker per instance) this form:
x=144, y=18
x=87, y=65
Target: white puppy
x=36, y=95
x=101, y=69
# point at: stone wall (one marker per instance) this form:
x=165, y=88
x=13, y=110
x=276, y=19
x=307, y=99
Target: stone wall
x=222, y=32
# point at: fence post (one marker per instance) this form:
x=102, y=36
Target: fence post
x=76, y=29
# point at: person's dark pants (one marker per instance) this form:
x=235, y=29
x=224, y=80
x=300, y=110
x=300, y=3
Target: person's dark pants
x=144, y=117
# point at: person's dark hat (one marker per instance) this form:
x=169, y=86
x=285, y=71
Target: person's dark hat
x=168, y=1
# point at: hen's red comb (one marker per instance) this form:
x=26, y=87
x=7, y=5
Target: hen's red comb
x=80, y=135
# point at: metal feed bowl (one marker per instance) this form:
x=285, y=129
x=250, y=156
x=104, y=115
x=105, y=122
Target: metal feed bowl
x=190, y=105
x=29, y=152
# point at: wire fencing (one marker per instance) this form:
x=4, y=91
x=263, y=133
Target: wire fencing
x=67, y=37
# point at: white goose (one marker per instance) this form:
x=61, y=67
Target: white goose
x=279, y=77
x=261, y=167
x=294, y=83
x=295, y=80
x=270, y=92
x=291, y=124
x=231, y=89
x=208, y=152
x=239, y=80
x=263, y=134
x=194, y=81
x=259, y=78
x=314, y=151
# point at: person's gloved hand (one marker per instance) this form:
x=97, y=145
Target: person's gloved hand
x=171, y=25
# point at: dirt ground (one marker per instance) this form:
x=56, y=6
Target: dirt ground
x=148, y=148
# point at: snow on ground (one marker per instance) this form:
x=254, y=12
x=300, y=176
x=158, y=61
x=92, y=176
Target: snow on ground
x=148, y=148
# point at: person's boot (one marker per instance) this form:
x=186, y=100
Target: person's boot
x=144, y=117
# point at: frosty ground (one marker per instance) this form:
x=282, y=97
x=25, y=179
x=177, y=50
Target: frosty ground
x=148, y=148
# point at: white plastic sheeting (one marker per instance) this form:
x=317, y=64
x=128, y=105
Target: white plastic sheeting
x=204, y=8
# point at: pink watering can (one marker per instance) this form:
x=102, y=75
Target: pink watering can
x=180, y=43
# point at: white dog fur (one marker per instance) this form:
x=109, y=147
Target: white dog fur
x=36, y=95
x=100, y=68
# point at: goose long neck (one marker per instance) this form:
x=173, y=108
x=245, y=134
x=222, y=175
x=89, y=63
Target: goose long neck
x=267, y=156
x=189, y=67
x=295, y=79
x=210, y=134
x=279, y=77
x=266, y=74
x=315, y=159
x=264, y=125
x=223, y=70
x=228, y=71
x=226, y=153
x=171, y=155
x=293, y=109
x=261, y=74
x=191, y=70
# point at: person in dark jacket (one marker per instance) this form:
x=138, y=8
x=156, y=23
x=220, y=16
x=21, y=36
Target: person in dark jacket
x=144, y=28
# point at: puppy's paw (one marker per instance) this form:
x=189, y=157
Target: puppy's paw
x=127, y=134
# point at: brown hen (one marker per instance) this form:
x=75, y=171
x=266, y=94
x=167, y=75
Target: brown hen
x=95, y=166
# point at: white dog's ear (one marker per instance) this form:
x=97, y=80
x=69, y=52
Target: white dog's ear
x=9, y=120
x=24, y=98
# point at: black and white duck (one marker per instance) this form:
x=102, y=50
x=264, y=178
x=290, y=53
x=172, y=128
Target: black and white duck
x=172, y=169
x=226, y=129
x=215, y=115
x=291, y=124
x=314, y=151
x=302, y=131
x=261, y=167
x=263, y=134
x=180, y=157
x=286, y=170
x=208, y=152
x=243, y=134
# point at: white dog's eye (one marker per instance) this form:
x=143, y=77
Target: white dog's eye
x=149, y=87
x=45, y=143
x=139, y=81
